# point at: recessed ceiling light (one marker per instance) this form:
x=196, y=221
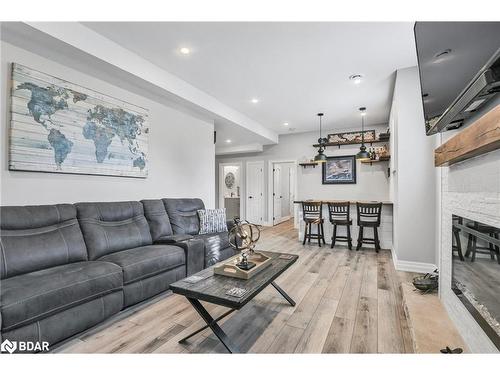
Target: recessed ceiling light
x=286, y=123
x=356, y=78
x=185, y=51
x=228, y=141
x=254, y=100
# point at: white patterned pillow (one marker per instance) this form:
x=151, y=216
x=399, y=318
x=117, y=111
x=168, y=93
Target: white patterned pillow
x=212, y=220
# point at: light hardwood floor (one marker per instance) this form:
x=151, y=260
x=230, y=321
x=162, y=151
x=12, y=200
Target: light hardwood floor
x=347, y=302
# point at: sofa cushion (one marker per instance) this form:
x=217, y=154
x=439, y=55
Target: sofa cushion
x=112, y=226
x=157, y=217
x=146, y=261
x=38, y=237
x=37, y=295
x=183, y=214
x=215, y=244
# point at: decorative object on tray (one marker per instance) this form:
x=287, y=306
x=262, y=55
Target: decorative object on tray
x=339, y=170
x=351, y=137
x=212, y=220
x=427, y=283
x=62, y=127
x=243, y=237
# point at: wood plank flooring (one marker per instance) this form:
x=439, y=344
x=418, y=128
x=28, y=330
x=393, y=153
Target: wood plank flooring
x=347, y=302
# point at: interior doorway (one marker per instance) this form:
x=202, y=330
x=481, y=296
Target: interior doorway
x=282, y=183
x=255, y=192
x=230, y=189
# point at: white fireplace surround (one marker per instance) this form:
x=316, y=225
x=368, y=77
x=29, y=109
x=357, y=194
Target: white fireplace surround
x=470, y=189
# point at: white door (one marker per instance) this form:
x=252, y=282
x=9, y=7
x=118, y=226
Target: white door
x=291, y=190
x=255, y=192
x=277, y=194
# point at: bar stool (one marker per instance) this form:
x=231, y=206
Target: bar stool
x=369, y=216
x=340, y=214
x=313, y=214
x=472, y=241
x=456, y=243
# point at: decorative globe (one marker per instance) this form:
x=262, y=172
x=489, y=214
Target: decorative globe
x=244, y=236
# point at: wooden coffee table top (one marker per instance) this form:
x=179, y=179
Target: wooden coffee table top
x=213, y=287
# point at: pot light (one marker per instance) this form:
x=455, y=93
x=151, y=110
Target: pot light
x=254, y=100
x=185, y=50
x=228, y=141
x=356, y=78
x=286, y=123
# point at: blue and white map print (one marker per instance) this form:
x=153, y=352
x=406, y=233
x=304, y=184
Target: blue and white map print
x=57, y=126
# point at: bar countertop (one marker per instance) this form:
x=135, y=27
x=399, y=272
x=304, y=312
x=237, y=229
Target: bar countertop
x=325, y=201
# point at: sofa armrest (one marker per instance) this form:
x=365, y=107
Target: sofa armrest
x=172, y=239
x=195, y=254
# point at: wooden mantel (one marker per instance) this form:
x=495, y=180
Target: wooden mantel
x=478, y=138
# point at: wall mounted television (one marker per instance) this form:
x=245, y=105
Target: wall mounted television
x=459, y=66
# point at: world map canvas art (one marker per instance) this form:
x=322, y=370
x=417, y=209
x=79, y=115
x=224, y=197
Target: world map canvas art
x=58, y=126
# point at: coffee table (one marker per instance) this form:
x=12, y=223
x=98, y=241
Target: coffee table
x=213, y=288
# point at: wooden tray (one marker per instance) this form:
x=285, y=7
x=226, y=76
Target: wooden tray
x=229, y=268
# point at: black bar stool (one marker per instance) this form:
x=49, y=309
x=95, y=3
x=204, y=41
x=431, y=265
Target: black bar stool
x=369, y=216
x=472, y=241
x=340, y=214
x=313, y=214
x=456, y=243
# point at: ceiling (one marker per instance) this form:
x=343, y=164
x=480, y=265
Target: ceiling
x=294, y=69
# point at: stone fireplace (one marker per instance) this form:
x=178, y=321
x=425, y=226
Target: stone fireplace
x=471, y=190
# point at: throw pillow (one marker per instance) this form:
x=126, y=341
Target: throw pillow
x=212, y=220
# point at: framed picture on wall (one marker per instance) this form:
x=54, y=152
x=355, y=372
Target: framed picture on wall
x=339, y=170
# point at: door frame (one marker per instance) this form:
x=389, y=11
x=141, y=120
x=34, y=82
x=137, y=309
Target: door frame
x=270, y=187
x=221, y=183
x=262, y=210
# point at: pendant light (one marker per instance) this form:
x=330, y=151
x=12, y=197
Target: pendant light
x=321, y=157
x=363, y=154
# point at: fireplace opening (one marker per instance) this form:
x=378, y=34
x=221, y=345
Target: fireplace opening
x=476, y=272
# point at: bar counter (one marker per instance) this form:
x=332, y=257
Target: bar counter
x=385, y=229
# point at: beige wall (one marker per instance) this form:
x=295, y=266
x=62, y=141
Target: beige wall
x=181, y=150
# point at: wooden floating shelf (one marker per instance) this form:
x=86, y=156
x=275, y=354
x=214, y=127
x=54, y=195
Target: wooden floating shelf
x=478, y=138
x=352, y=143
x=375, y=161
x=308, y=164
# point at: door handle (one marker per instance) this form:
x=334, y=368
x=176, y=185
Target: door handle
x=250, y=197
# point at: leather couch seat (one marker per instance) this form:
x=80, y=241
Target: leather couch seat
x=36, y=295
x=145, y=261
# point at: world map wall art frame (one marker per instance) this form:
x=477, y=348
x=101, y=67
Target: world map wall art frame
x=61, y=127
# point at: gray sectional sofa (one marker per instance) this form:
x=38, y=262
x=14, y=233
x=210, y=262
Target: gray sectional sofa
x=65, y=268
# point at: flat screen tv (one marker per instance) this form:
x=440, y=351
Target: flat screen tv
x=459, y=66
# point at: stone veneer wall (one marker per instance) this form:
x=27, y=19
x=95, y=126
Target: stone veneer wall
x=470, y=189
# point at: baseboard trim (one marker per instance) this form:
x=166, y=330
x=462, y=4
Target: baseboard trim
x=407, y=266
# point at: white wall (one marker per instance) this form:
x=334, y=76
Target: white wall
x=414, y=178
x=470, y=189
x=372, y=181
x=181, y=150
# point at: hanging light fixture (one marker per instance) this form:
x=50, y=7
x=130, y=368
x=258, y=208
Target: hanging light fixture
x=321, y=157
x=363, y=154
